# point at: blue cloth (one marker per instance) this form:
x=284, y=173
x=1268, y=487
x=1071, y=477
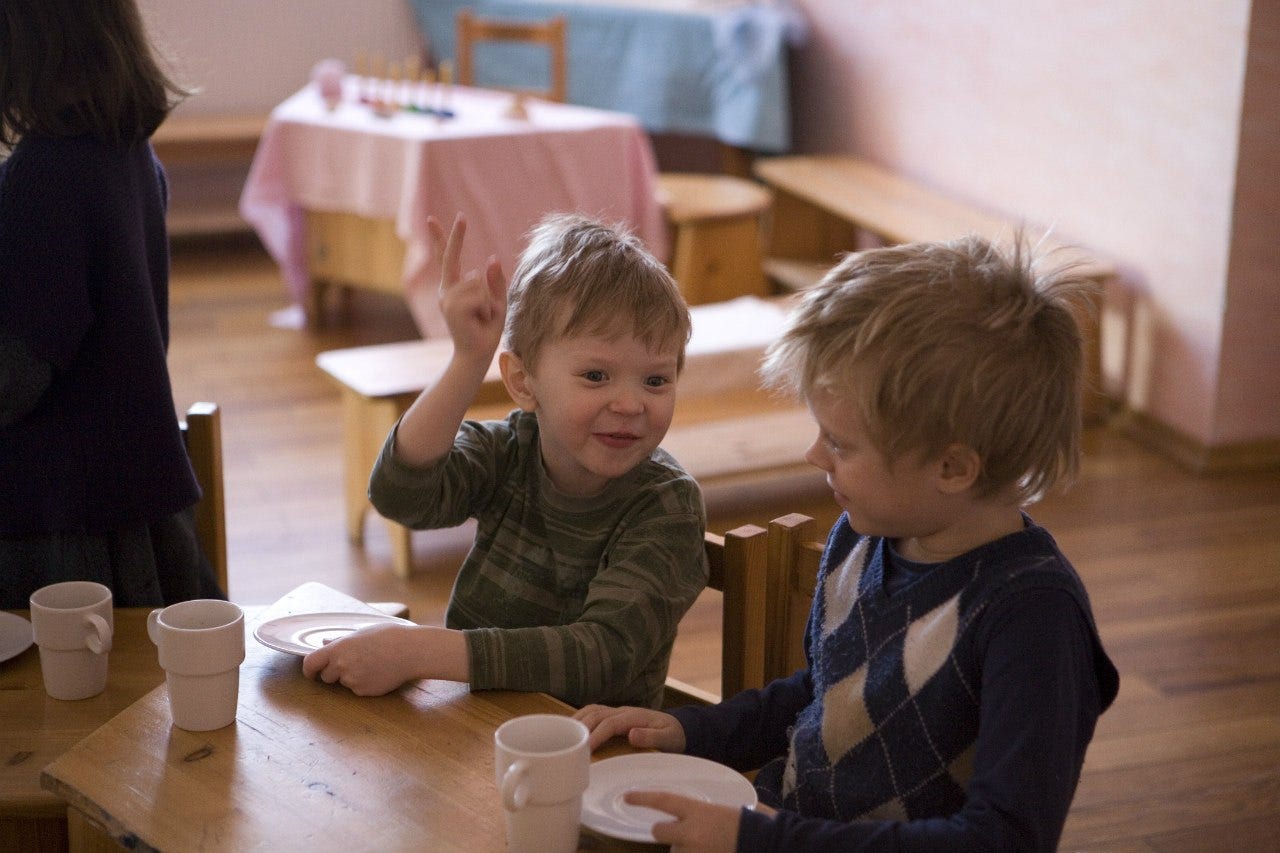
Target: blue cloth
x=719, y=74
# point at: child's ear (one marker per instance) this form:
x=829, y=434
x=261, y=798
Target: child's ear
x=516, y=377
x=958, y=468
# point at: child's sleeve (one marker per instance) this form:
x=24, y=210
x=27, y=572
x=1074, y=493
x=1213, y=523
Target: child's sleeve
x=747, y=730
x=445, y=493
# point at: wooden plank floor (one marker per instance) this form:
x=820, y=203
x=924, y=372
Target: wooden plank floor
x=1184, y=571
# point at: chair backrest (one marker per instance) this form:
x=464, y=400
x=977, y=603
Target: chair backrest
x=738, y=569
x=794, y=551
x=202, y=431
x=549, y=34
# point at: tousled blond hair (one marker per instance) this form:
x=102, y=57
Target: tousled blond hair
x=579, y=276
x=958, y=341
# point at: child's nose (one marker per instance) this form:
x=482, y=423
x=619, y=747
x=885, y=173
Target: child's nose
x=815, y=457
x=627, y=401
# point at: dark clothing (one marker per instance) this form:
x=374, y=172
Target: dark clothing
x=952, y=713
x=84, y=306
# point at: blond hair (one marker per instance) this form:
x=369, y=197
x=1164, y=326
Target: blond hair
x=579, y=276
x=955, y=342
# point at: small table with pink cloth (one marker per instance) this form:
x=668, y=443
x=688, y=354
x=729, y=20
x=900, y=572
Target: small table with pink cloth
x=502, y=173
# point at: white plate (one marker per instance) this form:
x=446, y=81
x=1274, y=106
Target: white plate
x=303, y=633
x=604, y=811
x=15, y=635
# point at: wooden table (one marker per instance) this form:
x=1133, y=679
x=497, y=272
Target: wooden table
x=306, y=766
x=37, y=729
x=342, y=196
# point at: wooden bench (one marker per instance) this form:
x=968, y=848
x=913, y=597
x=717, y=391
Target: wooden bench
x=826, y=205
x=207, y=138
x=725, y=429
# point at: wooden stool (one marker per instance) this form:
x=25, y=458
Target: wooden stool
x=715, y=225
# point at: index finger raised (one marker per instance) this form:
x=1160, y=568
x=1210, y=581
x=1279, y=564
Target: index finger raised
x=451, y=262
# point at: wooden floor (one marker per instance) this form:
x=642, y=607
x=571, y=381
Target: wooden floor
x=1184, y=572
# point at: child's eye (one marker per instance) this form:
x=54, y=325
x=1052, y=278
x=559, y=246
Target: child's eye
x=657, y=381
x=594, y=375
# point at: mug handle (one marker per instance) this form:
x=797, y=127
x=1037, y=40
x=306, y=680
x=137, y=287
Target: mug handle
x=515, y=786
x=97, y=634
x=152, y=631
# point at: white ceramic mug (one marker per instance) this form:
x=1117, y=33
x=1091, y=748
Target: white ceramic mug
x=201, y=647
x=543, y=764
x=72, y=623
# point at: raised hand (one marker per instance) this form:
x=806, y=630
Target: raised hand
x=474, y=304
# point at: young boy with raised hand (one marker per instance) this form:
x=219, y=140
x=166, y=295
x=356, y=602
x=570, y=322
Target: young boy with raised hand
x=589, y=540
x=954, y=672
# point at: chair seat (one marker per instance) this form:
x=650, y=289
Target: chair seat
x=690, y=197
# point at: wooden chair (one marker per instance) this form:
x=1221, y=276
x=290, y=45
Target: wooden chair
x=737, y=561
x=716, y=223
x=202, y=431
x=549, y=34
x=794, y=550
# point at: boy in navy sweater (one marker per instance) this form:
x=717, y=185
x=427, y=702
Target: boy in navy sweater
x=955, y=672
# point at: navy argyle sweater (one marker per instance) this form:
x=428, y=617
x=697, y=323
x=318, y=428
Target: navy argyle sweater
x=951, y=714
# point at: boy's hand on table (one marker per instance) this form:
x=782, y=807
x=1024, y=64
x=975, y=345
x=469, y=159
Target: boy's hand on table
x=644, y=728
x=369, y=662
x=379, y=658
x=699, y=826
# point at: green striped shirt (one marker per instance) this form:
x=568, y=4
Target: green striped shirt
x=576, y=597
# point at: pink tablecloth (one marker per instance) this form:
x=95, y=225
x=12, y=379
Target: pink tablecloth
x=503, y=174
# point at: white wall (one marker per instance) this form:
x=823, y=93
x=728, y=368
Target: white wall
x=248, y=55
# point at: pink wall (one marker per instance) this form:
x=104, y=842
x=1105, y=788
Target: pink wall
x=1119, y=124
x=1249, y=393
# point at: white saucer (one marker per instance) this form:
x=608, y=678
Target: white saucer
x=15, y=635
x=604, y=811
x=303, y=633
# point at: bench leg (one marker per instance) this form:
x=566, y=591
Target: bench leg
x=365, y=424
x=355, y=455
x=401, y=549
